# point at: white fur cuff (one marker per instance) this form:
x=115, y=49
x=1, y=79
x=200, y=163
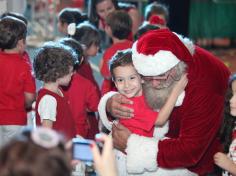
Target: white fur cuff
x=141, y=154
x=102, y=109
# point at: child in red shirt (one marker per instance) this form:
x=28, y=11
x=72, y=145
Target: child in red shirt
x=118, y=27
x=82, y=93
x=88, y=36
x=53, y=65
x=17, y=85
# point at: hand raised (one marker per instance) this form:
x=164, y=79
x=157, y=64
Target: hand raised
x=104, y=162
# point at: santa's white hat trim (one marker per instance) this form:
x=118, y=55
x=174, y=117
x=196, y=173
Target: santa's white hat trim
x=187, y=42
x=153, y=65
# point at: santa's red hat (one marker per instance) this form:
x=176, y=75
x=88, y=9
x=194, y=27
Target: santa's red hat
x=158, y=51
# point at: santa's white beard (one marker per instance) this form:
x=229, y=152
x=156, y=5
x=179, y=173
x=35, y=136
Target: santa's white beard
x=156, y=98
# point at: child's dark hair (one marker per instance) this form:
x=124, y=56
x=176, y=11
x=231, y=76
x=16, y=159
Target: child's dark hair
x=23, y=156
x=16, y=15
x=72, y=15
x=120, y=24
x=145, y=27
x=12, y=30
x=156, y=9
x=87, y=34
x=121, y=58
x=53, y=61
x=77, y=47
x=229, y=121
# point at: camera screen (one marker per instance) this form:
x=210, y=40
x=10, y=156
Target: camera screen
x=82, y=151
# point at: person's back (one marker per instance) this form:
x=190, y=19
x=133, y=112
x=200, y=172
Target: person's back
x=17, y=87
x=82, y=94
x=53, y=64
x=88, y=36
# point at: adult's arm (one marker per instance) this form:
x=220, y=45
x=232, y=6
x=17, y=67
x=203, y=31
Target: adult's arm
x=112, y=102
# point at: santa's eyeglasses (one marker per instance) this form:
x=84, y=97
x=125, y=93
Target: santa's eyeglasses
x=164, y=80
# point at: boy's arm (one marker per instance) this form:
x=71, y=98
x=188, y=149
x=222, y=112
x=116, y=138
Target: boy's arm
x=47, y=123
x=47, y=110
x=166, y=110
x=29, y=99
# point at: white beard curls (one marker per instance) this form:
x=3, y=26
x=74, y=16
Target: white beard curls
x=156, y=98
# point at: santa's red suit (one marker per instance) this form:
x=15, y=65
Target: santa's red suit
x=192, y=137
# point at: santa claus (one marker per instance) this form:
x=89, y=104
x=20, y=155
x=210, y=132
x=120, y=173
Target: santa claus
x=161, y=57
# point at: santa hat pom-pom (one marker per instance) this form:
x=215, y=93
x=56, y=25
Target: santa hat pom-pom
x=71, y=29
x=156, y=20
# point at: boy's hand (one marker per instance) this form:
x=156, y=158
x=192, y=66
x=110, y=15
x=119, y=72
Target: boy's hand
x=181, y=84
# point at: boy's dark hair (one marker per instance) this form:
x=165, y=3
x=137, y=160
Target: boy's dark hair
x=145, y=27
x=53, y=61
x=16, y=15
x=120, y=23
x=156, y=9
x=76, y=46
x=72, y=15
x=87, y=34
x=11, y=31
x=121, y=58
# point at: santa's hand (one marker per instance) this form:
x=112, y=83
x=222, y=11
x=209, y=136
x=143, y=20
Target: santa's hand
x=120, y=135
x=114, y=106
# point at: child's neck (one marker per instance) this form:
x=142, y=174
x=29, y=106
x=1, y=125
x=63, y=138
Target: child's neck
x=12, y=51
x=116, y=40
x=52, y=86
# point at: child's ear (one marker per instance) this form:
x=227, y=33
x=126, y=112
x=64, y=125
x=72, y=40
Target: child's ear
x=21, y=45
x=142, y=81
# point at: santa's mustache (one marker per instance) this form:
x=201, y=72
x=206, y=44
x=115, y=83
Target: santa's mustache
x=156, y=98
